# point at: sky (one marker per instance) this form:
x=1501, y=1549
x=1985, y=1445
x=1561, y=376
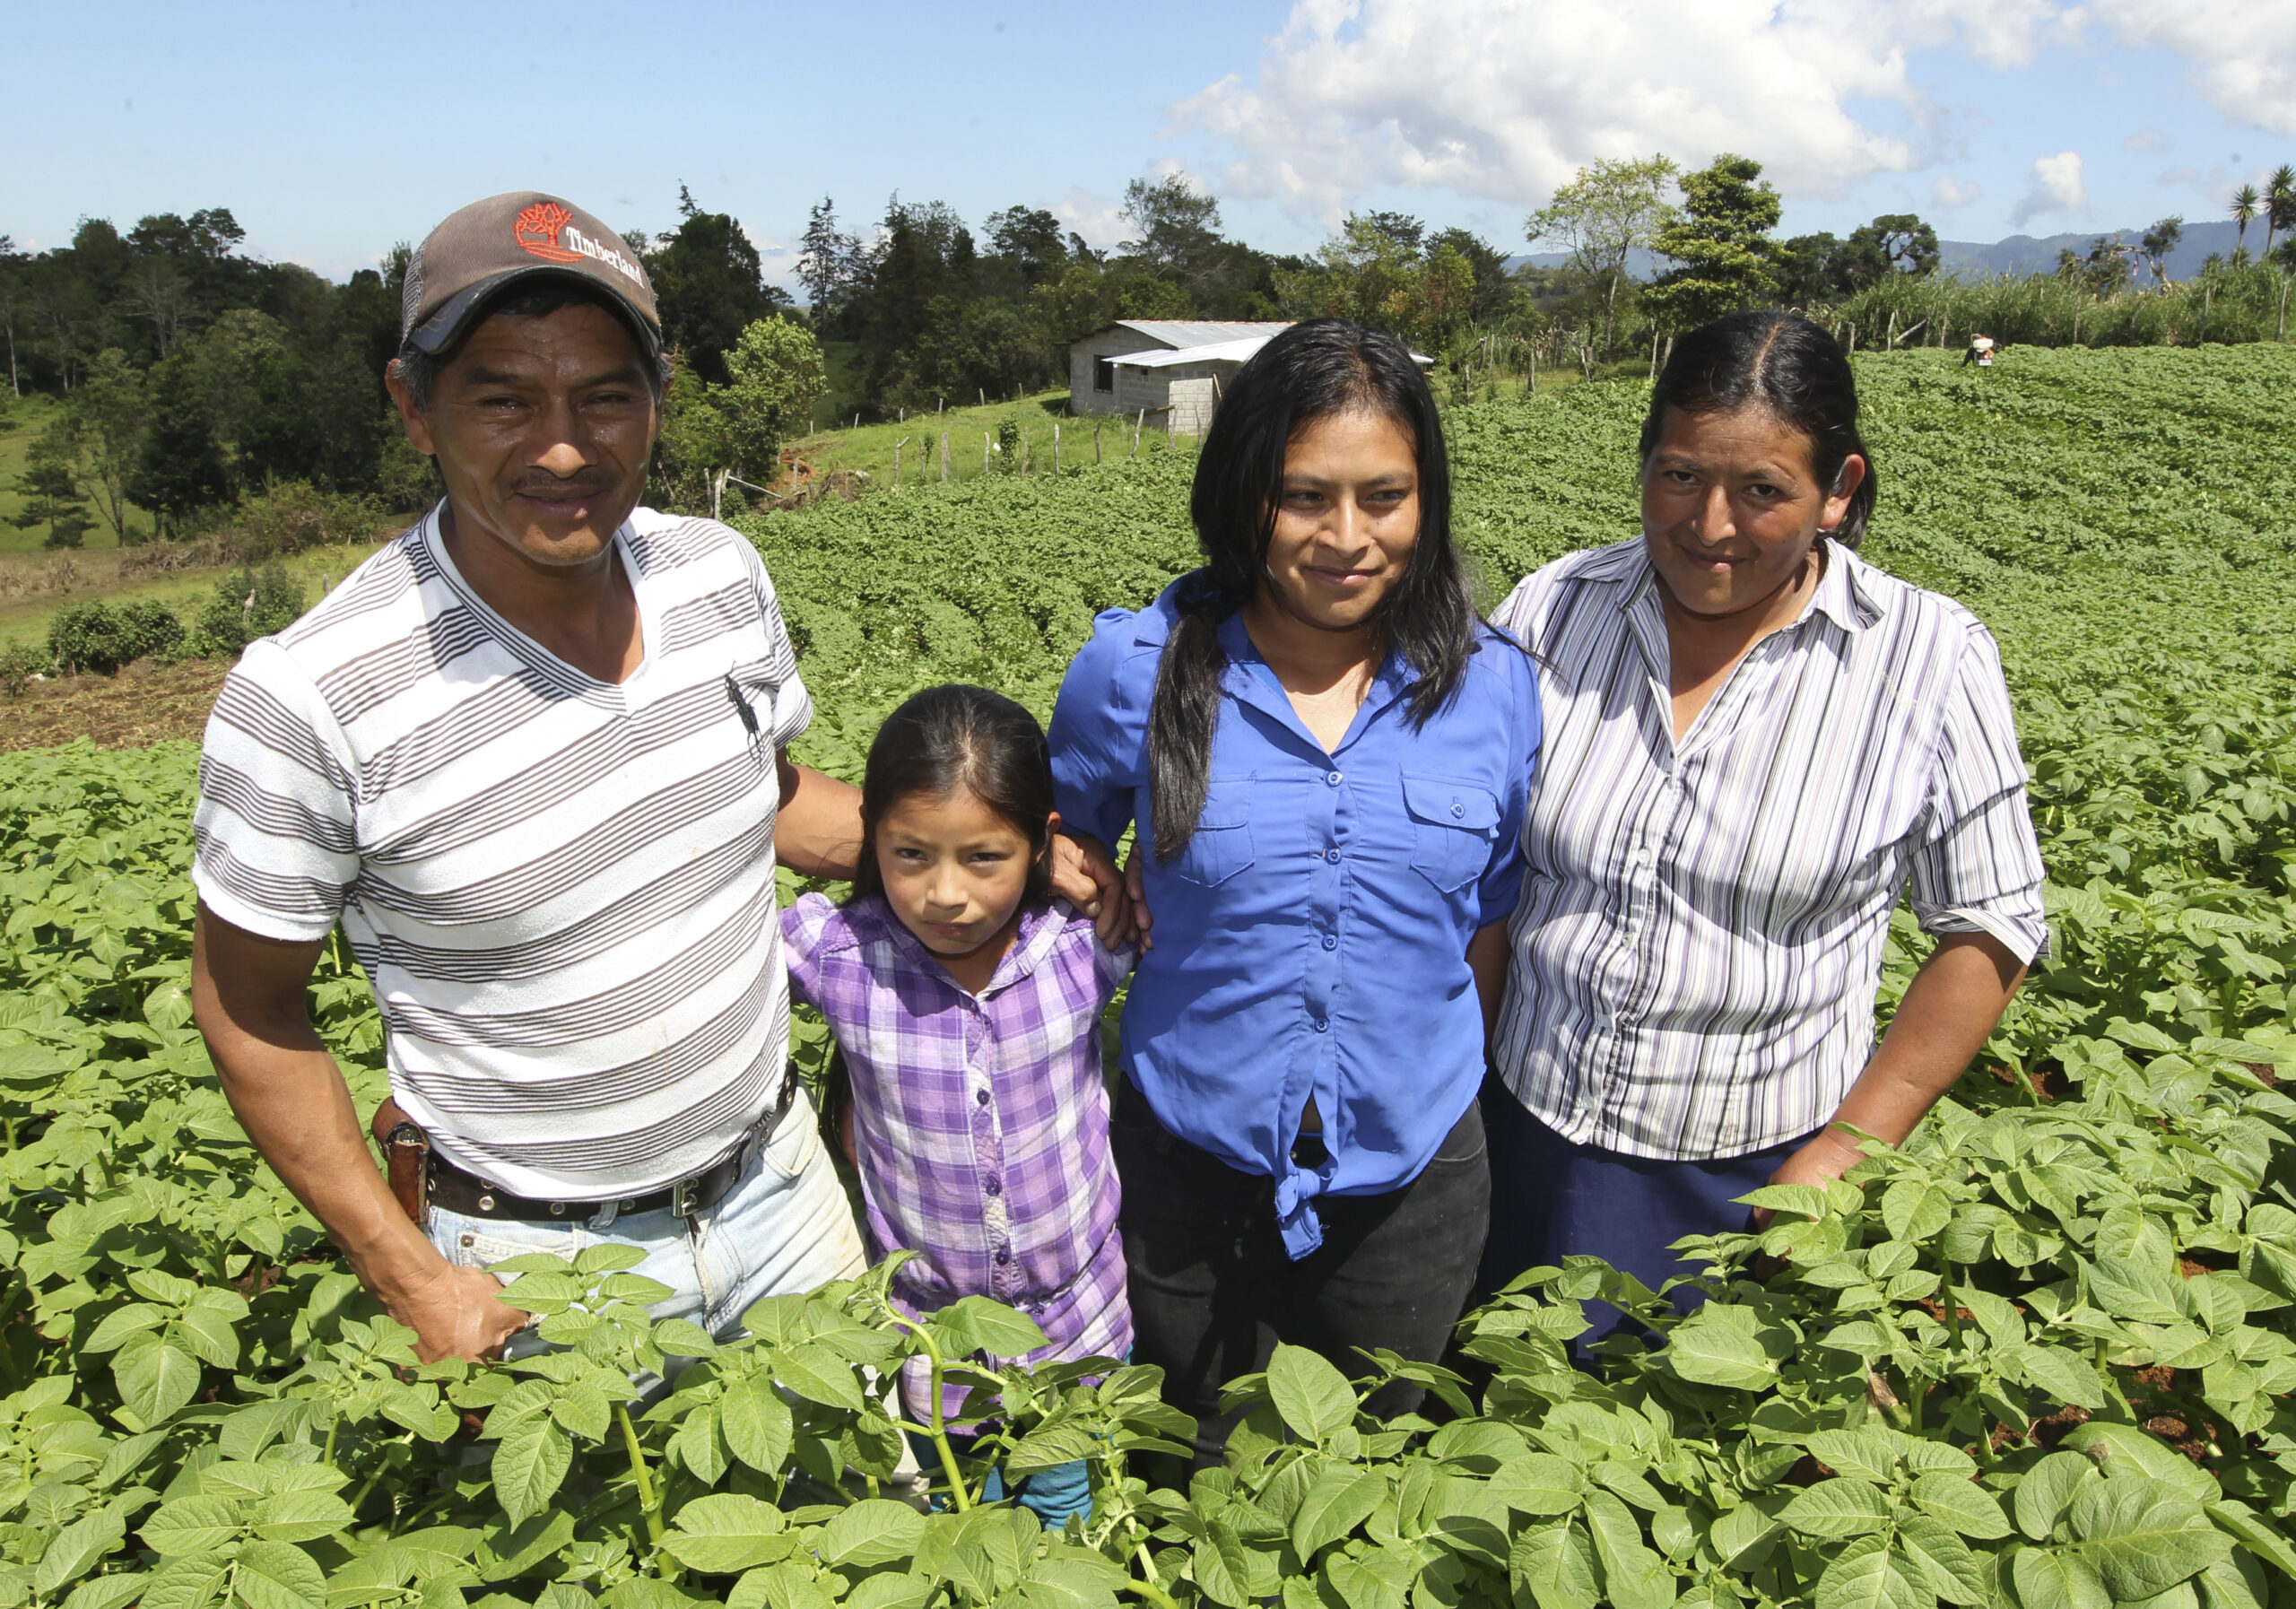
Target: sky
x=332, y=128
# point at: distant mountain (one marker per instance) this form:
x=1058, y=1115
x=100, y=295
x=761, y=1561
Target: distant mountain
x=2024, y=253
x=2019, y=254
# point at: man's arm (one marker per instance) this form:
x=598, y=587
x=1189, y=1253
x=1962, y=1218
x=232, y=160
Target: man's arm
x=1950, y=1007
x=247, y=997
x=1489, y=959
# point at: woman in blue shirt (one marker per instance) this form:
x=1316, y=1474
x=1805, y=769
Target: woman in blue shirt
x=1328, y=757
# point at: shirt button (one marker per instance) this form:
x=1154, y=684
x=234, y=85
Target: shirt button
x=1331, y=941
x=982, y=1096
x=1332, y=855
x=1458, y=808
x=1331, y=778
x=1322, y=1025
x=1003, y=1255
x=993, y=1184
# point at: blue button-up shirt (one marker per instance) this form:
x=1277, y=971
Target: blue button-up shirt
x=1310, y=941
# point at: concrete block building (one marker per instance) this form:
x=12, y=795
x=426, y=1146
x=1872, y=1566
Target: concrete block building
x=1172, y=370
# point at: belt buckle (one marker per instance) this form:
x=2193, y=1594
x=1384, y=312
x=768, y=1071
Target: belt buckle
x=682, y=1201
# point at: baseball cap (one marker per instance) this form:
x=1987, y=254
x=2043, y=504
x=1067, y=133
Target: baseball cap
x=519, y=234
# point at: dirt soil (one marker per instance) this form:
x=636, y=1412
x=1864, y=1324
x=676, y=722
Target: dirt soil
x=143, y=704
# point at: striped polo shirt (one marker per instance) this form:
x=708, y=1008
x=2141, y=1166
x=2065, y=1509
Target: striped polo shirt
x=1701, y=925
x=562, y=889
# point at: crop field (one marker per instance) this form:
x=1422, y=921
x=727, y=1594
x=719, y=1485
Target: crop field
x=2045, y=1358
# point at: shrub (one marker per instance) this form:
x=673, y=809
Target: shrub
x=18, y=664
x=101, y=638
x=293, y=516
x=249, y=603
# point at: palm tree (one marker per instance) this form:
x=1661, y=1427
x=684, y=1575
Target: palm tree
x=2246, y=204
x=2279, y=203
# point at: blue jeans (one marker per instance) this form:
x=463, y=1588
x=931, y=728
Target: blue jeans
x=785, y=1226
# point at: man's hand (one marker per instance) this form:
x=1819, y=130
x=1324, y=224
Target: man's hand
x=1084, y=874
x=457, y=1313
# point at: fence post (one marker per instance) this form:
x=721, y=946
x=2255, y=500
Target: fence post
x=1024, y=452
x=1055, y=447
x=983, y=392
x=1096, y=440
x=945, y=457
x=984, y=452
x=1138, y=419
x=897, y=447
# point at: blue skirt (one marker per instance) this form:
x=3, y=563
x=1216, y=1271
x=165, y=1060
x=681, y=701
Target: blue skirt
x=1550, y=1198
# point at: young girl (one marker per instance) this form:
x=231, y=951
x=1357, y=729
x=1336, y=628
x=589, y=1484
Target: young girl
x=967, y=1006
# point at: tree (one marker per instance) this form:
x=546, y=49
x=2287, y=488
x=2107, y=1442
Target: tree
x=12, y=303
x=1893, y=243
x=107, y=412
x=1805, y=268
x=2246, y=204
x=1031, y=238
x=707, y=283
x=51, y=490
x=1610, y=210
x=830, y=265
x=2279, y=203
x=2162, y=240
x=1720, y=243
x=1178, y=229
x=1494, y=289
x=777, y=376
x=181, y=469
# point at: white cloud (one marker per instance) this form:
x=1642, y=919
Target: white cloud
x=2145, y=139
x=1506, y=99
x=2243, y=52
x=1098, y=219
x=2057, y=189
x=1951, y=191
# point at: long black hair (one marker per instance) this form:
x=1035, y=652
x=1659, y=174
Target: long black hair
x=1312, y=371
x=955, y=737
x=1788, y=367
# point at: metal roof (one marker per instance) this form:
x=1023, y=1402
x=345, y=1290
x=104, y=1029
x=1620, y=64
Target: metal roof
x=1223, y=351
x=1181, y=332
x=1218, y=352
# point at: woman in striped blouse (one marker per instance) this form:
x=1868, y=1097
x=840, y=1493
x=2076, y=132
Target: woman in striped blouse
x=1752, y=741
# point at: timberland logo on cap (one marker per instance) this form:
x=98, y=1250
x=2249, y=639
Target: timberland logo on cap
x=547, y=229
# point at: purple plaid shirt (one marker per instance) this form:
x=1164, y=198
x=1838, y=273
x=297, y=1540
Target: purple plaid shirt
x=982, y=1121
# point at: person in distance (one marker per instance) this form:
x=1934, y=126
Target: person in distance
x=1753, y=739
x=1327, y=757
x=532, y=758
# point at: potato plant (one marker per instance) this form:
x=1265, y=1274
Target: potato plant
x=2041, y=1357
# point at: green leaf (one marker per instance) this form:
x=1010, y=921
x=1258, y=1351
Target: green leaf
x=275, y=1575
x=2141, y=1536
x=2047, y=1579
x=300, y=1515
x=608, y=1257
x=684, y=1338
x=788, y=1585
x=1870, y=1454
x=107, y=1592
x=1840, y=1507
x=1314, y=1398
x=1941, y=1558
x=1539, y=1483
x=2254, y=1534
x=1961, y=1504
x=1342, y=1497
x=1555, y=1564
x=870, y=1533
x=155, y=1377
x=530, y=1463
x=1633, y=1576
x=727, y=1533
x=1913, y=1210
x=2048, y=1490
x=757, y=1425
x=975, y=1324
x=816, y=1374
x=75, y=1549
x=1868, y=1575
x=1712, y=1348
x=186, y=1584
x=2059, y=1374
x=192, y=1525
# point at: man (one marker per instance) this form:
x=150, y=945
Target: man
x=532, y=757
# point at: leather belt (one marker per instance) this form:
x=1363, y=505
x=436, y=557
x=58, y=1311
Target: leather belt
x=458, y=1190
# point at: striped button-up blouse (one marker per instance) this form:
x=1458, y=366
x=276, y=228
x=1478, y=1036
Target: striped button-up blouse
x=1701, y=924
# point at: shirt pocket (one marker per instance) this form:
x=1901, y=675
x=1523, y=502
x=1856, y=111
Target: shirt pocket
x=1455, y=825
x=1222, y=845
